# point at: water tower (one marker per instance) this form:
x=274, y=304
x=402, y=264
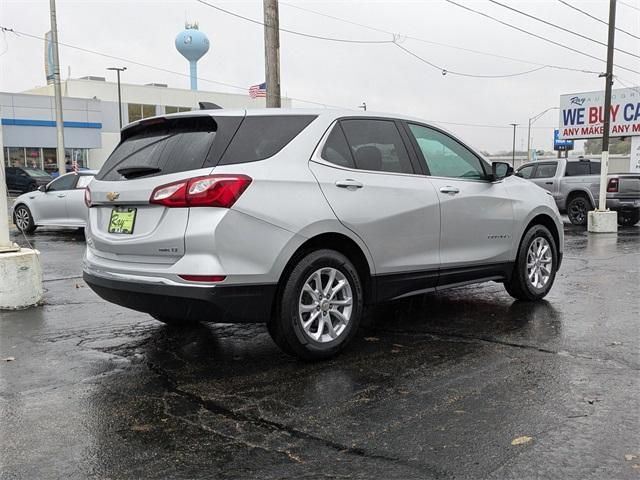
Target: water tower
x=192, y=44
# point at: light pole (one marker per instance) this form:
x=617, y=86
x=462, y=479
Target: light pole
x=118, y=70
x=513, y=151
x=531, y=122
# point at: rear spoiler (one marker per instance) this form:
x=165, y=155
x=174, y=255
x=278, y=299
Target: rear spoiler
x=202, y=123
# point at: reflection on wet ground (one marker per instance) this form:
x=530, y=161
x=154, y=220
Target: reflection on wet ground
x=435, y=386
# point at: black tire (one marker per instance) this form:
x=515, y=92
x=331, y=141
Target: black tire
x=175, y=322
x=520, y=286
x=286, y=327
x=628, y=219
x=578, y=209
x=23, y=219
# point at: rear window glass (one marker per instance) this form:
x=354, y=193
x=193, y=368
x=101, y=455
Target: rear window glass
x=164, y=148
x=546, y=170
x=575, y=169
x=262, y=137
x=595, y=168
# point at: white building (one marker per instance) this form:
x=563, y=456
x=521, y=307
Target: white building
x=90, y=113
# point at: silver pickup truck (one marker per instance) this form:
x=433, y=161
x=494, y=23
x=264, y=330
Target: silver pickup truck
x=575, y=186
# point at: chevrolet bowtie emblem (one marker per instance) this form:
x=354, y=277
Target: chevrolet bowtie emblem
x=111, y=196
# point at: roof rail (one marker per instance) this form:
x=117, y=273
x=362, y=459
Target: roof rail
x=209, y=106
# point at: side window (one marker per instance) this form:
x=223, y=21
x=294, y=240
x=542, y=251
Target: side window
x=444, y=156
x=64, y=182
x=576, y=169
x=546, y=170
x=595, y=168
x=336, y=150
x=377, y=145
x=260, y=137
x=83, y=181
x=526, y=172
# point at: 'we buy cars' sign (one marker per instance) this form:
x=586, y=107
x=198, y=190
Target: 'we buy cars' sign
x=582, y=114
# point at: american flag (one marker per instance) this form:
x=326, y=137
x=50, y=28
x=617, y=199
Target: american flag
x=256, y=91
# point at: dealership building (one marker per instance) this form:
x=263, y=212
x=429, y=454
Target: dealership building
x=91, y=121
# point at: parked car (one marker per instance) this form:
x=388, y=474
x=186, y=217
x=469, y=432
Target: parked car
x=575, y=186
x=25, y=179
x=300, y=218
x=60, y=203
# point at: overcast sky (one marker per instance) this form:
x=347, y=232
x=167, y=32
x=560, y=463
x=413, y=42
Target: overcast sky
x=343, y=74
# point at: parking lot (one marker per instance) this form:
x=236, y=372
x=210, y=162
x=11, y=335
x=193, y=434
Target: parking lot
x=464, y=384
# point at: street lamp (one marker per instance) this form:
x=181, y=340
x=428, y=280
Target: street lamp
x=531, y=121
x=513, y=151
x=118, y=70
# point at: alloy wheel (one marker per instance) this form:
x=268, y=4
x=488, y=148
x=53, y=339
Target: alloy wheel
x=578, y=211
x=325, y=305
x=539, y=262
x=22, y=218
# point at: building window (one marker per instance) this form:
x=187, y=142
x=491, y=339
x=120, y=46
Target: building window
x=50, y=162
x=34, y=157
x=169, y=109
x=138, y=111
x=81, y=155
x=15, y=157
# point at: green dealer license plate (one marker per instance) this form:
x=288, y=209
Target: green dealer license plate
x=122, y=220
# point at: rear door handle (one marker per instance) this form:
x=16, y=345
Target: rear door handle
x=61, y=195
x=548, y=183
x=448, y=189
x=349, y=183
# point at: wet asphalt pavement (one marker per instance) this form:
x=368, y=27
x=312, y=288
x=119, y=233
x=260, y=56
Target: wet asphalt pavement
x=433, y=387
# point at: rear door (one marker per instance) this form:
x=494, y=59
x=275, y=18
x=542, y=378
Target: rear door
x=545, y=176
x=76, y=209
x=369, y=179
x=123, y=224
x=476, y=214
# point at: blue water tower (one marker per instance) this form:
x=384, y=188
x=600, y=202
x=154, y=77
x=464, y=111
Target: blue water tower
x=192, y=44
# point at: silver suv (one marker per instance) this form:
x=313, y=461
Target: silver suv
x=300, y=218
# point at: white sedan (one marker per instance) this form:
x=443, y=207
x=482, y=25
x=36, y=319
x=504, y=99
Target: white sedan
x=60, y=203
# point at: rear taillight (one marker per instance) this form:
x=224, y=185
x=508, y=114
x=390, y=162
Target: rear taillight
x=87, y=197
x=210, y=191
x=612, y=186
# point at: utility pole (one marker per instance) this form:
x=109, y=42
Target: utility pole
x=57, y=89
x=602, y=220
x=118, y=70
x=272, y=52
x=513, y=151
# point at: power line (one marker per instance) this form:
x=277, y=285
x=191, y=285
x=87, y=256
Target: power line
x=431, y=42
x=445, y=71
x=628, y=85
x=293, y=32
x=629, y=5
x=537, y=36
x=596, y=18
x=538, y=19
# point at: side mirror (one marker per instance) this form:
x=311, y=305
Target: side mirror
x=500, y=170
x=42, y=188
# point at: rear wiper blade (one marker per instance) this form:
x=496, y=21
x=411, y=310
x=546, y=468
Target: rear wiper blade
x=137, y=171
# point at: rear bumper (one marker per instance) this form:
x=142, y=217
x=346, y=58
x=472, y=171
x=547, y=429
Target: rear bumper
x=623, y=204
x=220, y=303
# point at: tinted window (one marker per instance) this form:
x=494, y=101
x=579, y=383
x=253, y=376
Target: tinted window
x=546, y=170
x=525, y=172
x=377, y=145
x=575, y=169
x=35, y=172
x=173, y=146
x=444, y=156
x=595, y=168
x=262, y=137
x=83, y=181
x=65, y=182
x=336, y=150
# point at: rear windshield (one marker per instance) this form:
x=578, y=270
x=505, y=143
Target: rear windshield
x=162, y=148
x=262, y=137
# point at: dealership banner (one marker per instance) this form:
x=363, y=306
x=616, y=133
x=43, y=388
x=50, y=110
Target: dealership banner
x=582, y=114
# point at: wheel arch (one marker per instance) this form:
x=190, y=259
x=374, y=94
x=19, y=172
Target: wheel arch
x=548, y=222
x=580, y=193
x=27, y=206
x=340, y=243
